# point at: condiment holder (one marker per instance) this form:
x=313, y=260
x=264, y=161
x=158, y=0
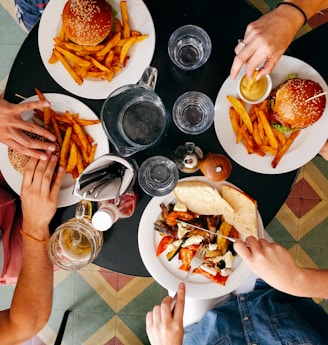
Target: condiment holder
x=107, y=177
x=76, y=243
x=187, y=157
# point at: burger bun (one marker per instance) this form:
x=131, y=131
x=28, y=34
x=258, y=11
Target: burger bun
x=87, y=22
x=19, y=160
x=293, y=106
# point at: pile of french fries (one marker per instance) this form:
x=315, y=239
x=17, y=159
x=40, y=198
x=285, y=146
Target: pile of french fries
x=77, y=147
x=102, y=61
x=253, y=128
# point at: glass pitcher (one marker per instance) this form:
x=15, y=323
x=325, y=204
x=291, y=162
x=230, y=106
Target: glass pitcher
x=76, y=243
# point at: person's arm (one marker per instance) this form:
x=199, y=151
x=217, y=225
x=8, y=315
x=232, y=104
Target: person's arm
x=32, y=300
x=166, y=327
x=12, y=126
x=267, y=38
x=274, y=264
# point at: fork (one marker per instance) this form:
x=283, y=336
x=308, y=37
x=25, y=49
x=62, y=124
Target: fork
x=196, y=261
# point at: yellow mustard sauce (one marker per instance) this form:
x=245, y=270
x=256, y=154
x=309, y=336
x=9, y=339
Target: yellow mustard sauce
x=257, y=90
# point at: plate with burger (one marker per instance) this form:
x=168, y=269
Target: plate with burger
x=12, y=163
x=205, y=199
x=140, y=54
x=294, y=83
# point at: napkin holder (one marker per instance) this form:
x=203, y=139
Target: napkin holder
x=115, y=187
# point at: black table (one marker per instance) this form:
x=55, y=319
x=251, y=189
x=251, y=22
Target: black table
x=225, y=22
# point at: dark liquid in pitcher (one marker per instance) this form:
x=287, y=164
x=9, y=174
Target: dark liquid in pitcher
x=143, y=122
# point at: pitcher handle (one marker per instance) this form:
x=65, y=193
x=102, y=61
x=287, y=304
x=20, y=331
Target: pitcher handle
x=149, y=77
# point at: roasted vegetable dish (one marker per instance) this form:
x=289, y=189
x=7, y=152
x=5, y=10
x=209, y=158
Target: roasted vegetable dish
x=182, y=240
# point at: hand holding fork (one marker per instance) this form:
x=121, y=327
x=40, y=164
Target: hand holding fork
x=196, y=261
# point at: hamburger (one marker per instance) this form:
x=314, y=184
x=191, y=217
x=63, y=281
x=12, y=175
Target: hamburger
x=291, y=105
x=18, y=160
x=87, y=22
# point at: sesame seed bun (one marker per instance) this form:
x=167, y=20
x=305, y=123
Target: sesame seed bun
x=18, y=160
x=291, y=106
x=87, y=22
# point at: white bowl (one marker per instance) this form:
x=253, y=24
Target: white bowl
x=263, y=95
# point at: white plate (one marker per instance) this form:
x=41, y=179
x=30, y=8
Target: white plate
x=306, y=145
x=166, y=272
x=140, y=54
x=59, y=103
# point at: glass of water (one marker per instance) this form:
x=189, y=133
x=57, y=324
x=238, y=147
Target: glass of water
x=189, y=47
x=158, y=176
x=193, y=112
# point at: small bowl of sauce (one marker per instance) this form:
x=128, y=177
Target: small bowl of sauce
x=255, y=92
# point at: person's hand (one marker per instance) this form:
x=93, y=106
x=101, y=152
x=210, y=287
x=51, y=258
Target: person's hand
x=166, y=327
x=265, y=41
x=269, y=261
x=39, y=195
x=12, y=126
x=324, y=151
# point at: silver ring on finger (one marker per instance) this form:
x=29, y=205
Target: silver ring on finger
x=241, y=41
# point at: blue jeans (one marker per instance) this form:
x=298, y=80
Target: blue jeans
x=261, y=317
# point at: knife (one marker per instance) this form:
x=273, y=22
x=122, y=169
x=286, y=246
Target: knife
x=232, y=239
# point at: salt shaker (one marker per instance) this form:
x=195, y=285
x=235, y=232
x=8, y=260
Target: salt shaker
x=188, y=157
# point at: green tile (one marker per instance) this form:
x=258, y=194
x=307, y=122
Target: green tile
x=64, y=293
x=317, y=252
x=87, y=300
x=321, y=164
x=318, y=234
x=87, y=323
x=277, y=231
x=137, y=324
x=6, y=295
x=145, y=301
x=11, y=38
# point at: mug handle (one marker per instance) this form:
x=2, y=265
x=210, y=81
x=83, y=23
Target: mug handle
x=84, y=210
x=149, y=77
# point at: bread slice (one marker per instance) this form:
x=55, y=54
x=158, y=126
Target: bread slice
x=201, y=198
x=244, y=217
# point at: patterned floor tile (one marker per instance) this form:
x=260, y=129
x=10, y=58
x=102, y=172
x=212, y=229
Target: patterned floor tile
x=108, y=308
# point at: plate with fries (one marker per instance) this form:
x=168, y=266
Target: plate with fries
x=59, y=104
x=138, y=55
x=294, y=150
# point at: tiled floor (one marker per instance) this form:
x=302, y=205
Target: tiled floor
x=109, y=308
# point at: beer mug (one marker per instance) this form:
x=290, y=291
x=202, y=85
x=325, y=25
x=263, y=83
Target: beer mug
x=76, y=243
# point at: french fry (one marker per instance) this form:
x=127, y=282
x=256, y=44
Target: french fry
x=267, y=129
x=239, y=107
x=264, y=139
x=68, y=68
x=125, y=19
x=65, y=147
x=284, y=148
x=126, y=48
x=46, y=110
x=56, y=128
x=112, y=42
x=74, y=58
x=250, y=82
x=72, y=159
x=234, y=118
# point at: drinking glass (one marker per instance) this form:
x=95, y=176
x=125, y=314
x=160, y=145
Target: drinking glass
x=189, y=47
